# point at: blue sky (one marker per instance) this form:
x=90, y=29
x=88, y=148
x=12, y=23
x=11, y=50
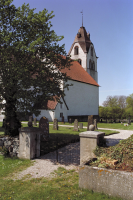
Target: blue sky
x=110, y=23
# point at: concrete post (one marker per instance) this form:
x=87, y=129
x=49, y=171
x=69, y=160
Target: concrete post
x=29, y=142
x=88, y=142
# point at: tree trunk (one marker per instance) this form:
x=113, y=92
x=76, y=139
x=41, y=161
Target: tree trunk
x=12, y=124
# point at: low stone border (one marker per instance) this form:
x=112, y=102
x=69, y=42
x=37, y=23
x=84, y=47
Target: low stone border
x=112, y=182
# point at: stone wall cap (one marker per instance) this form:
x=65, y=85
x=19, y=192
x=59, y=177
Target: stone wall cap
x=28, y=129
x=91, y=134
x=83, y=166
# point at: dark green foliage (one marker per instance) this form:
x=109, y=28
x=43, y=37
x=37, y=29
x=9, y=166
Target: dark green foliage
x=26, y=39
x=117, y=107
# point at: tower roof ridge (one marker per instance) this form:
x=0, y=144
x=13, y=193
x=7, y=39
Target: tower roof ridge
x=83, y=39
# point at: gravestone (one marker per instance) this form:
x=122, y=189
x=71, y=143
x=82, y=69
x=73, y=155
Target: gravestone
x=35, y=124
x=55, y=124
x=44, y=126
x=80, y=125
x=76, y=125
x=30, y=121
x=95, y=123
x=62, y=119
x=129, y=122
x=90, y=121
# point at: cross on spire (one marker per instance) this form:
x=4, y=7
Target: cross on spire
x=82, y=18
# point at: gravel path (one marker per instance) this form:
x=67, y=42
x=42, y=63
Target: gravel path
x=68, y=157
x=115, y=138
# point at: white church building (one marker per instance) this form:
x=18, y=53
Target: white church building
x=82, y=99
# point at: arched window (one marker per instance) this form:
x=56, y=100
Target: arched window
x=90, y=64
x=91, y=51
x=80, y=61
x=93, y=66
x=76, y=50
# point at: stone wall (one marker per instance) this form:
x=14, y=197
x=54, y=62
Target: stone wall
x=112, y=182
x=11, y=144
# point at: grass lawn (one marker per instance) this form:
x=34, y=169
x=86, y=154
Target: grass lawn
x=69, y=130
x=115, y=126
x=104, y=125
x=63, y=130
x=63, y=186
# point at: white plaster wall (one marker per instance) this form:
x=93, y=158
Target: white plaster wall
x=49, y=114
x=61, y=110
x=52, y=114
x=81, y=55
x=82, y=99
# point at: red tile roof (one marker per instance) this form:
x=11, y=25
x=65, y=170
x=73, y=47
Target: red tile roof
x=49, y=105
x=77, y=73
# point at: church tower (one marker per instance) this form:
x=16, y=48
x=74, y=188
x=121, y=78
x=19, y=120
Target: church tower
x=83, y=51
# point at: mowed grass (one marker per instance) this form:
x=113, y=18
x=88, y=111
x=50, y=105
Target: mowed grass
x=66, y=130
x=69, y=130
x=115, y=126
x=104, y=125
x=63, y=186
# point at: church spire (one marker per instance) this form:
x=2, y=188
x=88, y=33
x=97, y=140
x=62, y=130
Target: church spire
x=82, y=18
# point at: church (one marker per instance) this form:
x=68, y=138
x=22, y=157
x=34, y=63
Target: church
x=82, y=99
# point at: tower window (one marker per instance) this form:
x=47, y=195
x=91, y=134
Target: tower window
x=80, y=61
x=76, y=50
x=93, y=66
x=91, y=51
x=90, y=64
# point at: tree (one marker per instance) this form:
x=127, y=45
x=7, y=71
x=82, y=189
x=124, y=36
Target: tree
x=103, y=112
x=115, y=106
x=110, y=102
x=113, y=101
x=29, y=52
x=122, y=101
x=129, y=102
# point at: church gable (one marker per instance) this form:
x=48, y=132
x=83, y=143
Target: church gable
x=77, y=54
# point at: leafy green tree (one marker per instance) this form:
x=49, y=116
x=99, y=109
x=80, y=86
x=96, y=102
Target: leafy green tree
x=29, y=52
x=129, y=101
x=103, y=112
x=110, y=102
x=115, y=106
